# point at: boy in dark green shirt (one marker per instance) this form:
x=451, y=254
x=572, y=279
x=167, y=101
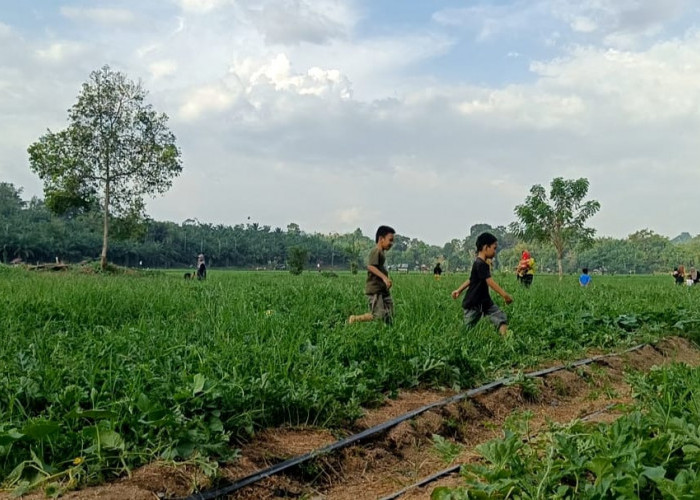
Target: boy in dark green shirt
x=377, y=286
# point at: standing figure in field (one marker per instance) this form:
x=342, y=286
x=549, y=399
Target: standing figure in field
x=584, y=280
x=679, y=275
x=378, y=284
x=477, y=302
x=526, y=269
x=437, y=272
x=201, y=267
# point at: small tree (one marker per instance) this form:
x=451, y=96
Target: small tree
x=297, y=258
x=115, y=150
x=353, y=250
x=558, y=220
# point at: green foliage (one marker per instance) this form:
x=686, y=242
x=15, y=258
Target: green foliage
x=115, y=151
x=446, y=449
x=297, y=259
x=651, y=452
x=353, y=249
x=30, y=231
x=559, y=218
x=177, y=369
x=528, y=386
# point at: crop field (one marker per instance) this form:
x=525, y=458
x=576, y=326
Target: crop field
x=100, y=374
x=651, y=452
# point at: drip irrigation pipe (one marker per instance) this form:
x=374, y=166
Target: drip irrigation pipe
x=292, y=462
x=425, y=481
x=455, y=468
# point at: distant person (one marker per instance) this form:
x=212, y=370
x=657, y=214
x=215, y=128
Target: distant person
x=477, y=302
x=679, y=275
x=437, y=272
x=526, y=269
x=694, y=275
x=584, y=280
x=378, y=284
x=201, y=267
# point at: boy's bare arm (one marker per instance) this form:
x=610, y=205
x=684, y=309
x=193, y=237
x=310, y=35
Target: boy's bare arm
x=375, y=270
x=461, y=288
x=500, y=291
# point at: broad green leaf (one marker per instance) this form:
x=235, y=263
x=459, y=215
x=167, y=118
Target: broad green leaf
x=198, y=386
x=111, y=440
x=10, y=437
x=40, y=429
x=656, y=474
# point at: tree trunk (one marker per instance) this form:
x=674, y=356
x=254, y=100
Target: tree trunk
x=560, y=257
x=105, y=229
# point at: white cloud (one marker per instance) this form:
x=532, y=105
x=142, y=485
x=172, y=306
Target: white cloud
x=622, y=23
x=162, y=68
x=256, y=88
x=99, y=15
x=295, y=21
x=658, y=84
x=352, y=216
x=59, y=52
x=5, y=30
x=414, y=177
x=202, y=6
x=214, y=98
x=278, y=74
x=490, y=21
x=612, y=23
x=583, y=24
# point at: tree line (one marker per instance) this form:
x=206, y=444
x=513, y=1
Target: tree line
x=31, y=232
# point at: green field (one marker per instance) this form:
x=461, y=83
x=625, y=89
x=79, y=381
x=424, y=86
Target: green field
x=103, y=373
x=651, y=452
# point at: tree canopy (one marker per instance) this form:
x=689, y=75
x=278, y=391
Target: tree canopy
x=559, y=218
x=115, y=150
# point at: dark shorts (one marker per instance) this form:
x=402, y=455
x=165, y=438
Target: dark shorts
x=381, y=305
x=495, y=315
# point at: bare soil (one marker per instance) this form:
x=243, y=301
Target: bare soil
x=405, y=454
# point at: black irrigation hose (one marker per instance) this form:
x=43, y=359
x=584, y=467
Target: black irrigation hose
x=455, y=468
x=425, y=481
x=287, y=464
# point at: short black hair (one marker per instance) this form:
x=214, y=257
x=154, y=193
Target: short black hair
x=485, y=239
x=585, y=270
x=383, y=231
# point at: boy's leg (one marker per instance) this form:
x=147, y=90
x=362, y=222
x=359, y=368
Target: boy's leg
x=527, y=280
x=376, y=310
x=498, y=318
x=388, y=309
x=471, y=317
x=360, y=317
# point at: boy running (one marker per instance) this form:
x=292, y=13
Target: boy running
x=477, y=301
x=377, y=286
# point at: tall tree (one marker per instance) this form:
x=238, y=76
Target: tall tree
x=558, y=219
x=115, y=150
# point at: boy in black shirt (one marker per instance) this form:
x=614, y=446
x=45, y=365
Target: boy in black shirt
x=477, y=301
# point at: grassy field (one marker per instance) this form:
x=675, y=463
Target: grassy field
x=102, y=373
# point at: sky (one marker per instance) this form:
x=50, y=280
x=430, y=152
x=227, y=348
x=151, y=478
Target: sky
x=429, y=116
